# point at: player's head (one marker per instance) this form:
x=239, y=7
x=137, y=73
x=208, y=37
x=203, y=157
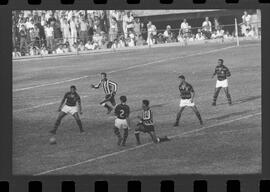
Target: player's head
x=181, y=78
x=145, y=104
x=220, y=61
x=123, y=99
x=103, y=75
x=73, y=88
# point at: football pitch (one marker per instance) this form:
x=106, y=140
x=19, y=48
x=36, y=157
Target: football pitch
x=228, y=143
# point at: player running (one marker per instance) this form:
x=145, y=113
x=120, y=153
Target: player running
x=222, y=73
x=110, y=89
x=187, y=96
x=146, y=125
x=69, y=106
x=122, y=120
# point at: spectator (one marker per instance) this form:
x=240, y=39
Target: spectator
x=23, y=40
x=16, y=53
x=137, y=27
x=184, y=29
x=245, y=25
x=81, y=46
x=43, y=50
x=83, y=26
x=199, y=35
x=65, y=31
x=36, y=36
x=167, y=35
x=113, y=32
x=207, y=28
x=128, y=23
x=65, y=48
x=49, y=37
x=59, y=50
x=152, y=32
x=216, y=24
x=73, y=30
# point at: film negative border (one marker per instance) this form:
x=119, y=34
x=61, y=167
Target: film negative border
x=198, y=183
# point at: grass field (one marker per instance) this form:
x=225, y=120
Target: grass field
x=229, y=142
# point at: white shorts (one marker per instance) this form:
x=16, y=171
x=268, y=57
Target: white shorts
x=70, y=109
x=121, y=123
x=223, y=83
x=186, y=103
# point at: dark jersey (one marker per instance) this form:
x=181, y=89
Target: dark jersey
x=122, y=111
x=185, y=90
x=222, y=72
x=147, y=117
x=72, y=98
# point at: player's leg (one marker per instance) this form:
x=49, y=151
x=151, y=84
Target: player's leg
x=78, y=121
x=228, y=95
x=196, y=111
x=104, y=104
x=217, y=90
x=137, y=133
x=112, y=100
x=118, y=134
x=125, y=136
x=178, y=116
x=153, y=136
x=61, y=115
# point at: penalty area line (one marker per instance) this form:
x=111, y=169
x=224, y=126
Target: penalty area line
x=146, y=144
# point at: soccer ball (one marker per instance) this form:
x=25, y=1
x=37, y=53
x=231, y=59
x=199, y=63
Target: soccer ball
x=52, y=140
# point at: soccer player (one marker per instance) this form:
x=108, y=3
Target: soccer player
x=69, y=106
x=187, y=96
x=110, y=89
x=222, y=73
x=122, y=120
x=146, y=125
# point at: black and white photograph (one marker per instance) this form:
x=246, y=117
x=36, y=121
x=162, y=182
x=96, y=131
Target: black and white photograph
x=136, y=92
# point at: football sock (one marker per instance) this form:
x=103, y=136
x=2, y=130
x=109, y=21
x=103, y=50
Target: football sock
x=125, y=136
x=137, y=135
x=163, y=139
x=199, y=117
x=79, y=122
x=216, y=95
x=229, y=98
x=117, y=133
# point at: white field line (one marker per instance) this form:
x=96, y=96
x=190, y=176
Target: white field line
x=127, y=68
x=143, y=145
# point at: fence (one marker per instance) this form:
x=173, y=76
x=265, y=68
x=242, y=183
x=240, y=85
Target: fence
x=118, y=39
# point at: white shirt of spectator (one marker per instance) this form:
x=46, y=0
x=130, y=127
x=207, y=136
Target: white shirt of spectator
x=166, y=33
x=59, y=50
x=129, y=21
x=83, y=26
x=49, y=31
x=184, y=27
x=207, y=25
x=246, y=19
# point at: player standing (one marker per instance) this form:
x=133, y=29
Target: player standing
x=69, y=105
x=187, y=96
x=122, y=120
x=146, y=125
x=110, y=89
x=222, y=73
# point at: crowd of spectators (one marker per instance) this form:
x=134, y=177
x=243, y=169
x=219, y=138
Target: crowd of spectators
x=57, y=31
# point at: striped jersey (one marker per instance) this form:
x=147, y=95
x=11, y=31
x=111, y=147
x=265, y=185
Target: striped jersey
x=108, y=86
x=147, y=117
x=222, y=72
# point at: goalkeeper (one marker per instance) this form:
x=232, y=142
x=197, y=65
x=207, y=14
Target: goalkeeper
x=110, y=89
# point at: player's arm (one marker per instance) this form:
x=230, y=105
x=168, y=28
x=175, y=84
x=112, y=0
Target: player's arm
x=228, y=73
x=192, y=92
x=96, y=86
x=62, y=102
x=115, y=87
x=215, y=72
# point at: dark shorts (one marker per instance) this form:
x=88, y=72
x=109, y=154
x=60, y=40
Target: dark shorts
x=109, y=98
x=145, y=128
